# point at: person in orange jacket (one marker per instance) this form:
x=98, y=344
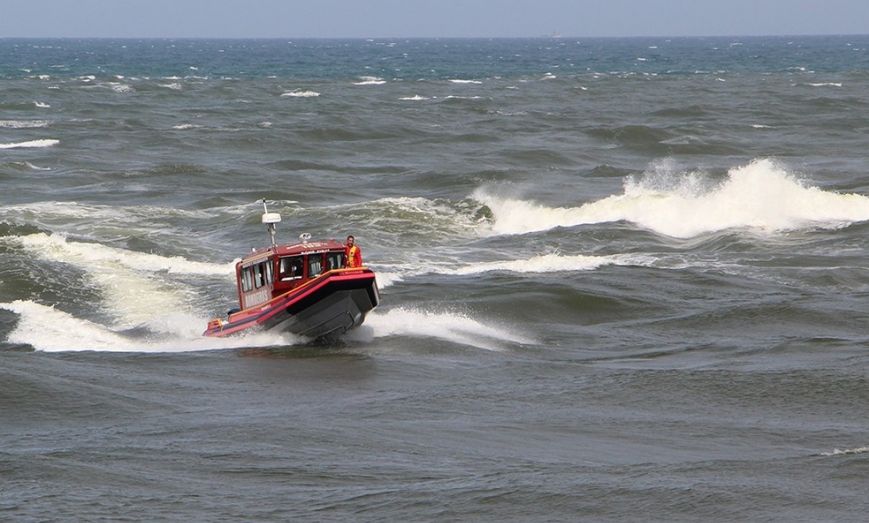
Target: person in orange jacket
x=352, y=253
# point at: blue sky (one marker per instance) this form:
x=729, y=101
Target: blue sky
x=428, y=18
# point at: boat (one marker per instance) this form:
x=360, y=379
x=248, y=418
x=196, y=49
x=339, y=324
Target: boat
x=303, y=288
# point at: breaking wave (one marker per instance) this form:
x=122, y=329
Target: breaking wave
x=761, y=196
x=845, y=452
x=301, y=94
x=48, y=329
x=23, y=124
x=450, y=326
x=551, y=263
x=544, y=263
x=370, y=80
x=127, y=280
x=56, y=247
x=30, y=144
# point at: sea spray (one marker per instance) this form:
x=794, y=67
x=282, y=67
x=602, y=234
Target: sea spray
x=761, y=196
x=51, y=330
x=454, y=327
x=57, y=247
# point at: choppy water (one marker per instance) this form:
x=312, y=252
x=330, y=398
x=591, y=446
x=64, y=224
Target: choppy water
x=621, y=279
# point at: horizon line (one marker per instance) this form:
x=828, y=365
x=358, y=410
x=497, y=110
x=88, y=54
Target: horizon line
x=525, y=37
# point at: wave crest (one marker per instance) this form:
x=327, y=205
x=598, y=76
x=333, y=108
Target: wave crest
x=30, y=144
x=761, y=196
x=48, y=329
x=450, y=326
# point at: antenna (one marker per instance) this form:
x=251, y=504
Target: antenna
x=270, y=219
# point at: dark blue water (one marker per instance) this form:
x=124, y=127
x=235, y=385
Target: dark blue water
x=621, y=279
x=432, y=58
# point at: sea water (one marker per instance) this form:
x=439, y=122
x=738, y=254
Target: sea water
x=621, y=279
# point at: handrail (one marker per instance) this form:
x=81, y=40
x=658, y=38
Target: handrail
x=302, y=286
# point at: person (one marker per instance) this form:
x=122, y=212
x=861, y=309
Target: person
x=352, y=253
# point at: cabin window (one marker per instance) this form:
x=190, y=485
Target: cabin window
x=334, y=260
x=258, y=276
x=315, y=265
x=291, y=268
x=267, y=269
x=246, y=279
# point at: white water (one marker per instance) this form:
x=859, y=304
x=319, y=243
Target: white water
x=132, y=293
x=846, y=452
x=542, y=263
x=48, y=329
x=550, y=263
x=301, y=94
x=450, y=326
x=370, y=80
x=51, y=330
x=23, y=124
x=30, y=144
x=761, y=196
x=56, y=247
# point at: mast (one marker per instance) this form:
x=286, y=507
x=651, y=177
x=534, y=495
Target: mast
x=270, y=219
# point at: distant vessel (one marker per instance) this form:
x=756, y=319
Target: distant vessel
x=302, y=288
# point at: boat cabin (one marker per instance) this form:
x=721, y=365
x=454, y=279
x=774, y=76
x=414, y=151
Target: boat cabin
x=267, y=273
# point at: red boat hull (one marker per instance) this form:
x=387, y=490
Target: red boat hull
x=329, y=305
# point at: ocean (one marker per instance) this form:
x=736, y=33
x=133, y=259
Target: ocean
x=621, y=279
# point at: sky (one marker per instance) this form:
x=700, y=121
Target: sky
x=427, y=18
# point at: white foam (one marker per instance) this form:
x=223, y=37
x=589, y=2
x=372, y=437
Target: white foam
x=387, y=279
x=433, y=217
x=185, y=126
x=543, y=263
x=472, y=82
x=548, y=76
x=41, y=105
x=760, y=196
x=132, y=294
x=23, y=124
x=56, y=247
x=414, y=98
x=175, y=86
x=761, y=126
x=550, y=263
x=826, y=84
x=36, y=167
x=451, y=97
x=48, y=329
x=302, y=94
x=30, y=144
x=845, y=452
x=370, y=80
x=78, y=217
x=450, y=326
x=119, y=87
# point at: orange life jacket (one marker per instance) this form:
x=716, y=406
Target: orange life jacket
x=354, y=256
